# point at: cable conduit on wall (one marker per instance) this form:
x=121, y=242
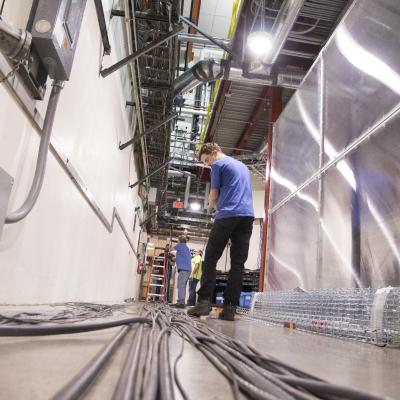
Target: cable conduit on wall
x=41, y=162
x=32, y=113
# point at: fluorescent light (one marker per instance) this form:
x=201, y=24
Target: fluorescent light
x=195, y=206
x=259, y=43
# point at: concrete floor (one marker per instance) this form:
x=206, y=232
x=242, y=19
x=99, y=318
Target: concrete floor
x=35, y=368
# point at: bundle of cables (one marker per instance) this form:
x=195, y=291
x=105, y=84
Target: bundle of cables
x=151, y=373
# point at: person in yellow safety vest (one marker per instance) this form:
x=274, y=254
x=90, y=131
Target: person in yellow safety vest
x=195, y=276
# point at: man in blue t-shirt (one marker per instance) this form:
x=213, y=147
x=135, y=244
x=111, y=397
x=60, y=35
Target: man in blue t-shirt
x=184, y=267
x=231, y=195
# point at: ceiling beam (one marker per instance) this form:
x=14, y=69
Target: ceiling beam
x=255, y=116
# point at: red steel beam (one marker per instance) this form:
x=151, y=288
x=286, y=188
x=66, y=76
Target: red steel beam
x=256, y=115
x=276, y=109
x=195, y=14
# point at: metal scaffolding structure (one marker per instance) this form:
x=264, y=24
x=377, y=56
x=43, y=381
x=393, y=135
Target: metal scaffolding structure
x=154, y=27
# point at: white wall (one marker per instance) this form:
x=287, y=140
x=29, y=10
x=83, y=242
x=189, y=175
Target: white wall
x=62, y=251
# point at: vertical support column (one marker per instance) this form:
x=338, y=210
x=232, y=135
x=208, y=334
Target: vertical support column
x=356, y=231
x=187, y=192
x=276, y=109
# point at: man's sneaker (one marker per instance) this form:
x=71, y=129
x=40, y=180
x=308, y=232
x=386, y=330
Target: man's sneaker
x=228, y=312
x=203, y=307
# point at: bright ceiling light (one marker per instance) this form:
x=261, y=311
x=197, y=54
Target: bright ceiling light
x=259, y=43
x=195, y=206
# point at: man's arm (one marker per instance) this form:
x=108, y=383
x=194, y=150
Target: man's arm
x=213, y=197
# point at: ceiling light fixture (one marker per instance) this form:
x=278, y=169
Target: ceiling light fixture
x=259, y=40
x=259, y=43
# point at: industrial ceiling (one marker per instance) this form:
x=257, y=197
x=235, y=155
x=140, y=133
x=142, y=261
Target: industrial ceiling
x=237, y=110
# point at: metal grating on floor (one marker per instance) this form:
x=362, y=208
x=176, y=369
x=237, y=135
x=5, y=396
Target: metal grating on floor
x=368, y=315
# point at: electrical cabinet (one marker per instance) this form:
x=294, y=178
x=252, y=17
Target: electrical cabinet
x=55, y=26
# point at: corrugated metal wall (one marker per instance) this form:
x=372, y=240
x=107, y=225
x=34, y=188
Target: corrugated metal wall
x=335, y=219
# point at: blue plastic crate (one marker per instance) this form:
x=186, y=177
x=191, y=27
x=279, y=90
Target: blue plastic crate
x=245, y=299
x=219, y=300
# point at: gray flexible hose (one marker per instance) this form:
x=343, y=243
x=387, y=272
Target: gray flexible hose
x=37, y=182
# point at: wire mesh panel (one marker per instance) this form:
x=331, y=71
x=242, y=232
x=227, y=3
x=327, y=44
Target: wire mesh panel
x=391, y=318
x=369, y=315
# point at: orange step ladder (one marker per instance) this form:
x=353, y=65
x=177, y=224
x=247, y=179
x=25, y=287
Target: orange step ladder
x=155, y=290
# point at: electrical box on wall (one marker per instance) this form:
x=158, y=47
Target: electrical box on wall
x=55, y=26
x=6, y=182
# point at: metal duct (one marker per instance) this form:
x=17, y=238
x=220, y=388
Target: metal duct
x=236, y=75
x=14, y=43
x=175, y=173
x=283, y=24
x=203, y=71
x=286, y=78
x=290, y=79
x=193, y=111
x=211, y=70
x=198, y=39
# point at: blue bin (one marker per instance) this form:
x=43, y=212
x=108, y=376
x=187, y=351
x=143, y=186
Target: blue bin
x=219, y=300
x=245, y=299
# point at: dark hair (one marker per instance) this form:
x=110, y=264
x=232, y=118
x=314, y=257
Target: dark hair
x=182, y=239
x=208, y=148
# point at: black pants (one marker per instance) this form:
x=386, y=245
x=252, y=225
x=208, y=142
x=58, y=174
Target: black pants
x=238, y=229
x=192, y=291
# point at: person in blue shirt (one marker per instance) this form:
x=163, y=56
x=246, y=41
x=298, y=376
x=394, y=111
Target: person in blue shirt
x=231, y=195
x=184, y=267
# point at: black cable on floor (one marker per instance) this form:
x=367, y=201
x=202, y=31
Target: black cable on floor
x=126, y=385
x=82, y=380
x=259, y=376
x=54, y=329
x=176, y=376
x=69, y=312
x=255, y=375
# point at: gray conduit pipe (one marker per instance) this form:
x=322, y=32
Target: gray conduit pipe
x=14, y=43
x=37, y=183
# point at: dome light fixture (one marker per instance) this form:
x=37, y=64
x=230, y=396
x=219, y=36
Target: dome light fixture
x=259, y=43
x=259, y=40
